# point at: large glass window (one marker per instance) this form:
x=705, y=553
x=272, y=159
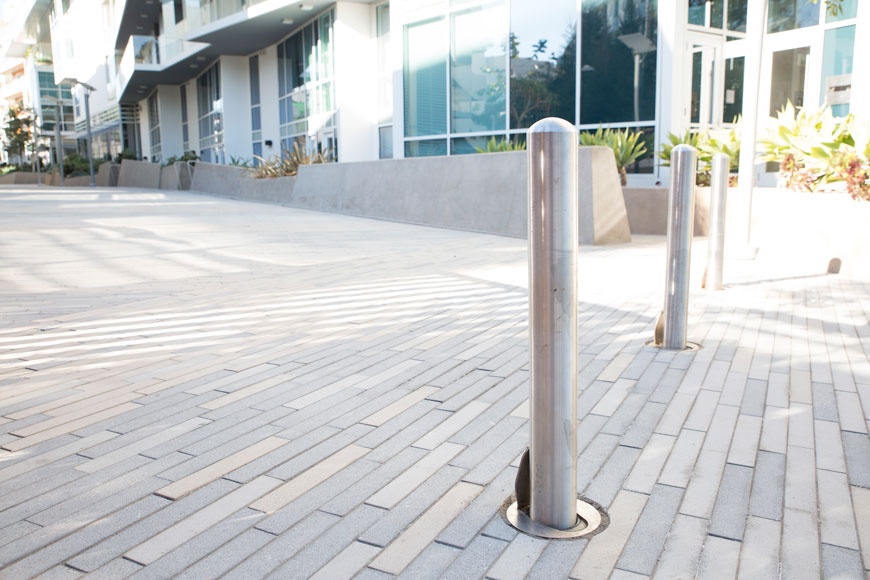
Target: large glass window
x=385, y=83
x=154, y=127
x=788, y=76
x=848, y=9
x=185, y=133
x=785, y=15
x=733, y=98
x=426, y=78
x=211, y=130
x=256, y=125
x=543, y=58
x=305, y=84
x=477, y=69
x=837, y=60
x=618, y=73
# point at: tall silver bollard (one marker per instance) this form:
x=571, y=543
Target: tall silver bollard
x=681, y=215
x=716, y=244
x=553, y=249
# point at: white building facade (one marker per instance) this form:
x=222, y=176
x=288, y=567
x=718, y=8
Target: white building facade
x=235, y=79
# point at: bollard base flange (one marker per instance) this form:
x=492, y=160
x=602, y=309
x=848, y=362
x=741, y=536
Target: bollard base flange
x=591, y=520
x=690, y=346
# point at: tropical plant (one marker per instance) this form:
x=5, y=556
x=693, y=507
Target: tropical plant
x=19, y=129
x=75, y=165
x=814, y=150
x=288, y=162
x=493, y=146
x=126, y=154
x=188, y=157
x=708, y=142
x=627, y=146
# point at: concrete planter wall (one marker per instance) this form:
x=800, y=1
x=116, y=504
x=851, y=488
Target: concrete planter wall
x=139, y=174
x=484, y=193
x=21, y=177
x=647, y=209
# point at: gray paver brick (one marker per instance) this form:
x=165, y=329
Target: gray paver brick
x=754, y=396
x=229, y=555
x=682, y=549
x=646, y=542
x=760, y=555
x=838, y=562
x=824, y=402
x=431, y=563
x=639, y=433
x=721, y=429
x=463, y=530
x=263, y=561
x=829, y=447
x=730, y=511
x=473, y=561
x=611, y=475
x=330, y=543
x=719, y=559
x=114, y=546
x=681, y=461
x=800, y=545
x=556, y=560
x=768, y=486
x=835, y=510
x=744, y=445
x=857, y=448
x=800, y=479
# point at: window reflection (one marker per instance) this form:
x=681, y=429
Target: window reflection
x=477, y=71
x=543, y=55
x=785, y=15
x=618, y=73
x=425, y=79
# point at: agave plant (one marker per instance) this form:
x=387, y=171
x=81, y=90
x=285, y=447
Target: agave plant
x=708, y=143
x=288, y=162
x=627, y=146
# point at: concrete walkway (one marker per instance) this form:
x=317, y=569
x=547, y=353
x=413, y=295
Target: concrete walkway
x=193, y=387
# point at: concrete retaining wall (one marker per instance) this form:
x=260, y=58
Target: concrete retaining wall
x=168, y=177
x=22, y=177
x=647, y=209
x=484, y=193
x=79, y=181
x=107, y=175
x=139, y=174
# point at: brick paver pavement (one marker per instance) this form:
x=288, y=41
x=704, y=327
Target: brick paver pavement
x=194, y=387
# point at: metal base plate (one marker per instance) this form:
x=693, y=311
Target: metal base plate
x=591, y=520
x=690, y=346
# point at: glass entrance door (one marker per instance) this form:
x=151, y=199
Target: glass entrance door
x=704, y=104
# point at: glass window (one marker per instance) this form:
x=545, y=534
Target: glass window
x=179, y=10
x=258, y=152
x=785, y=15
x=385, y=142
x=848, y=9
x=543, y=58
x=477, y=71
x=695, y=111
x=427, y=148
x=467, y=145
x=698, y=12
x=254, y=65
x=618, y=72
x=837, y=61
x=787, y=78
x=737, y=15
x=326, y=45
x=426, y=80
x=733, y=97
x=255, y=119
x=385, y=69
x=185, y=136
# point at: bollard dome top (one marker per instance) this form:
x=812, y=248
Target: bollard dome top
x=683, y=147
x=552, y=125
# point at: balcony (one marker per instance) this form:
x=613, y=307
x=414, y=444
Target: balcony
x=241, y=27
x=152, y=60
x=11, y=86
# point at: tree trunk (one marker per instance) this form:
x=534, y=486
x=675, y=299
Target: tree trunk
x=623, y=176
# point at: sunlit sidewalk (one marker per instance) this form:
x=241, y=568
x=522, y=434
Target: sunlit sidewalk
x=196, y=387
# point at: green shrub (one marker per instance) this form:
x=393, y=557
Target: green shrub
x=75, y=165
x=708, y=142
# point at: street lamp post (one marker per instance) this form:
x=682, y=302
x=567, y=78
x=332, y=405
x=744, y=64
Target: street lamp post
x=88, y=88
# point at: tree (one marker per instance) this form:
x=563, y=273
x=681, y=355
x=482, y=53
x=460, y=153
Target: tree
x=19, y=130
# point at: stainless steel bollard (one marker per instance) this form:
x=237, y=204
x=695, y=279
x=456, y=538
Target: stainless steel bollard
x=716, y=244
x=553, y=249
x=681, y=216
